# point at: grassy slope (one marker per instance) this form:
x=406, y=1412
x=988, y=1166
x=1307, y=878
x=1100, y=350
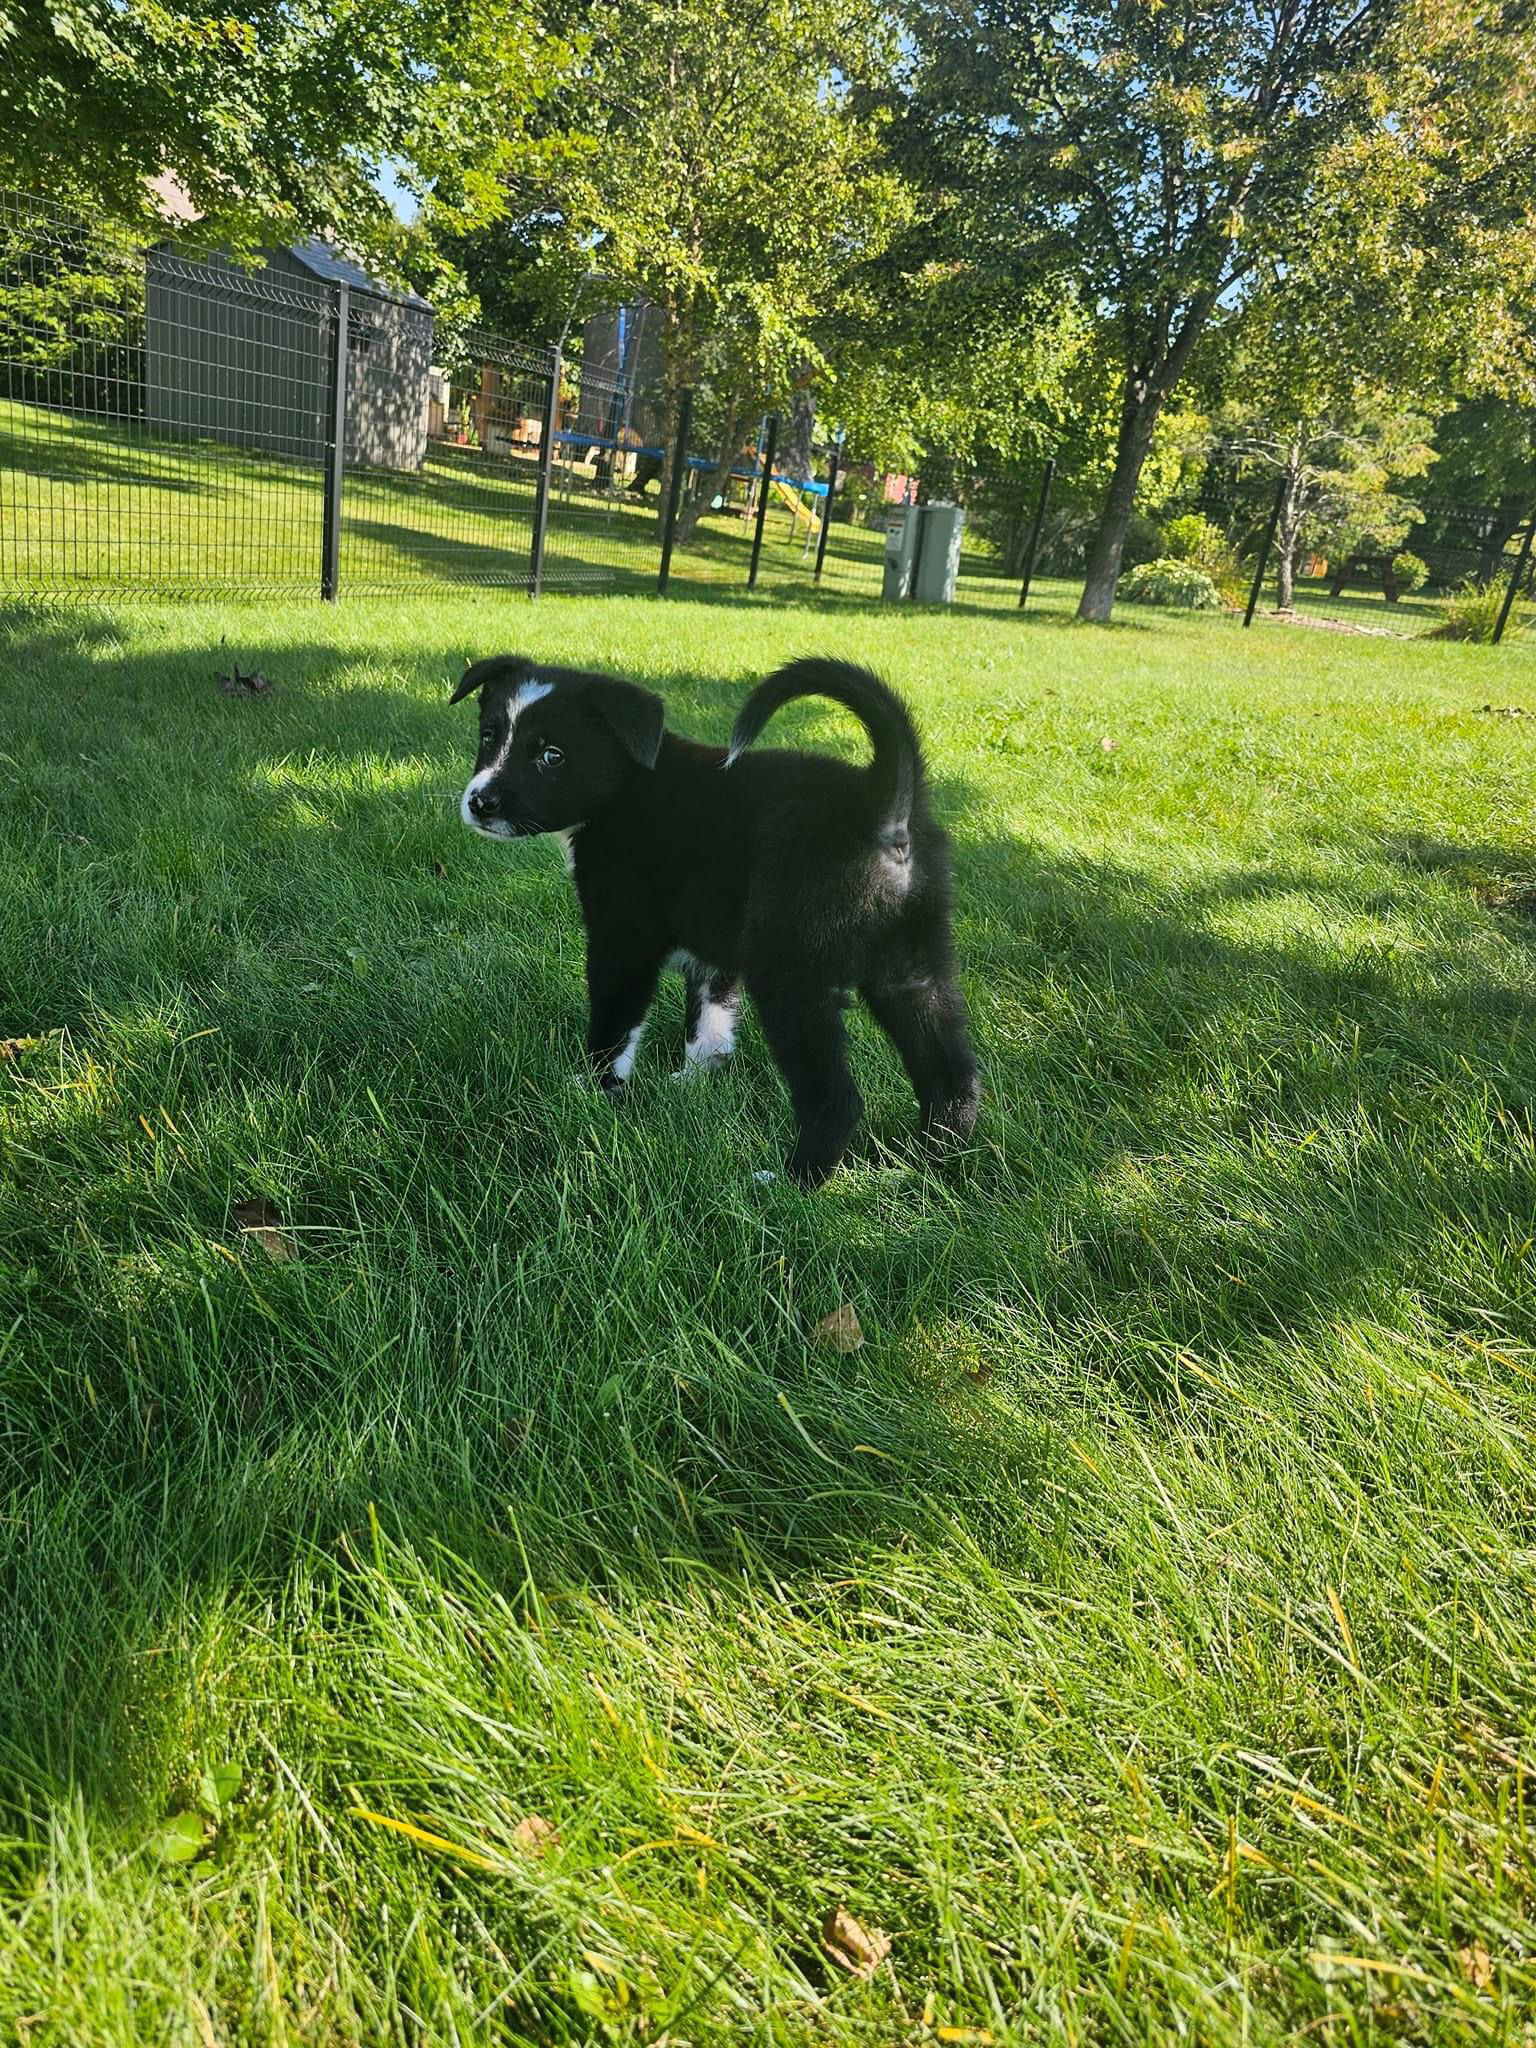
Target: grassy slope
x=1139, y=1628
x=87, y=505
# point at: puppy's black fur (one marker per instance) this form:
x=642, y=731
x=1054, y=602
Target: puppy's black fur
x=798, y=875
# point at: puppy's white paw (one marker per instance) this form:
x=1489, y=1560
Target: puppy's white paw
x=693, y=1066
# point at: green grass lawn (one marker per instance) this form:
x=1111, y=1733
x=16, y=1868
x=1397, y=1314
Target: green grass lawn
x=92, y=506
x=1138, y=1629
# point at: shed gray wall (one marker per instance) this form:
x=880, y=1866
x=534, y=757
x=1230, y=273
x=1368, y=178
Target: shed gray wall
x=225, y=361
x=222, y=360
x=388, y=365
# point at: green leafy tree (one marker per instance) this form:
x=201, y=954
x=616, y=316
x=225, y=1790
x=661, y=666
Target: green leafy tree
x=1337, y=380
x=1164, y=153
x=726, y=175
x=1343, y=493
x=930, y=353
x=1486, y=450
x=276, y=118
x=1334, y=443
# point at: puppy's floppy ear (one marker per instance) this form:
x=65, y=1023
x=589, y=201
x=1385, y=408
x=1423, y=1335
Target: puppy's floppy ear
x=634, y=716
x=481, y=672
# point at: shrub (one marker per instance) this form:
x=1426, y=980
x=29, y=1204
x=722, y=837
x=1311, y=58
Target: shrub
x=1200, y=541
x=1472, y=612
x=1411, y=572
x=1143, y=542
x=1068, y=535
x=1193, y=538
x=1172, y=583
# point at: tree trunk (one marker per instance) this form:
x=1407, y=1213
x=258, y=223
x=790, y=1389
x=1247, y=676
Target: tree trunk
x=670, y=406
x=1285, y=570
x=794, y=456
x=1138, y=417
x=1288, y=536
x=677, y=352
x=1495, y=537
x=707, y=482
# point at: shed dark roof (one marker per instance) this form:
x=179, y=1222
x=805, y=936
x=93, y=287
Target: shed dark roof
x=322, y=261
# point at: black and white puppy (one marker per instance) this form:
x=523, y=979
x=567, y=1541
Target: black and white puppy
x=798, y=875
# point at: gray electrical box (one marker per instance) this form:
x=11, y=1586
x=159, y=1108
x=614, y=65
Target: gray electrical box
x=922, y=553
x=901, y=550
x=938, y=558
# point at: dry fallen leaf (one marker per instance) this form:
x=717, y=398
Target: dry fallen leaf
x=840, y=1331
x=1108, y=744
x=10, y=1048
x=858, y=1950
x=440, y=873
x=1477, y=1967
x=535, y=1836
x=243, y=682
x=261, y=1221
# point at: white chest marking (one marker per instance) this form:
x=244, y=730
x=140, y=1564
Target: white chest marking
x=567, y=840
x=714, y=1034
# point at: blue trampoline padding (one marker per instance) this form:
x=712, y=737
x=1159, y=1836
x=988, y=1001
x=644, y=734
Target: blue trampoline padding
x=795, y=483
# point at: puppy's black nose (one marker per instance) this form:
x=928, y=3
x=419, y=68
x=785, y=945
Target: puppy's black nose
x=484, y=804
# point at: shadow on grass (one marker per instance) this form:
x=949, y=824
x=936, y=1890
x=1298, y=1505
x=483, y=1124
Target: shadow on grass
x=1500, y=881
x=84, y=456
x=552, y=1337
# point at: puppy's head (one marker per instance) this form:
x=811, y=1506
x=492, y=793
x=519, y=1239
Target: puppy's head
x=556, y=746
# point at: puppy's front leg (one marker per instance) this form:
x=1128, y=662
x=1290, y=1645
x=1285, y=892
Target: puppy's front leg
x=621, y=981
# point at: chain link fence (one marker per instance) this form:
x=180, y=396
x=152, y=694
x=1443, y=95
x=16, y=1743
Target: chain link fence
x=184, y=423
x=1283, y=552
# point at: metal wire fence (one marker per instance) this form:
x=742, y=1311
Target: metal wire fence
x=134, y=453
x=181, y=422
x=1301, y=555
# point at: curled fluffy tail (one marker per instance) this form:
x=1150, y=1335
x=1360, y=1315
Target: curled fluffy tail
x=898, y=764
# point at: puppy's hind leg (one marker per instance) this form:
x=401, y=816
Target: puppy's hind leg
x=804, y=1029
x=714, y=1010
x=924, y=1018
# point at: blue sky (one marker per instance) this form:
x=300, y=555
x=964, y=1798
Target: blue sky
x=388, y=182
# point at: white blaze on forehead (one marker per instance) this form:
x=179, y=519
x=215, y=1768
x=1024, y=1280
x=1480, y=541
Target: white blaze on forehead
x=525, y=695
x=523, y=699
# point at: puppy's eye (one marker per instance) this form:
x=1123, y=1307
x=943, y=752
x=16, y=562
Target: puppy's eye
x=486, y=737
x=550, y=757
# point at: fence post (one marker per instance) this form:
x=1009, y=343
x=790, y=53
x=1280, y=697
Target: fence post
x=675, y=489
x=1041, y=503
x=1516, y=578
x=833, y=467
x=770, y=449
x=1269, y=541
x=336, y=448
x=546, y=474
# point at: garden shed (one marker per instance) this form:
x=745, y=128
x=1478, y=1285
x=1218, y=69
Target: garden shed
x=242, y=355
